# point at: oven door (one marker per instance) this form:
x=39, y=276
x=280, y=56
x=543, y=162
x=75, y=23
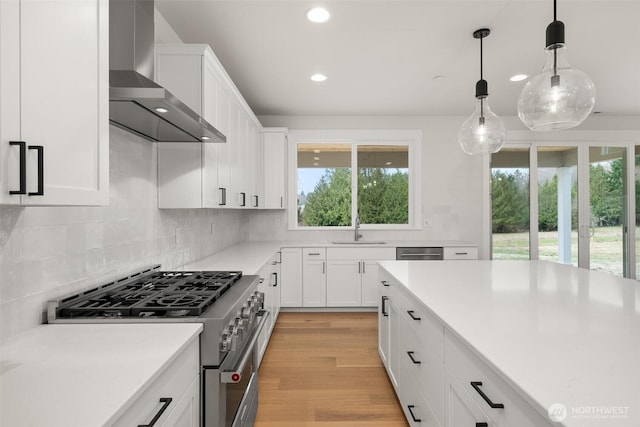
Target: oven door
x=230, y=392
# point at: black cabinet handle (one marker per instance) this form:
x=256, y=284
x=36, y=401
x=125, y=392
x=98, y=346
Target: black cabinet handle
x=410, y=313
x=255, y=201
x=154, y=420
x=410, y=408
x=40, y=151
x=383, y=308
x=244, y=199
x=282, y=202
x=476, y=385
x=482, y=425
x=224, y=196
x=384, y=283
x=275, y=279
x=23, y=167
x=411, y=353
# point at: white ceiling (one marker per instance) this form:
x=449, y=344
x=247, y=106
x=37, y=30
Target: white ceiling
x=381, y=57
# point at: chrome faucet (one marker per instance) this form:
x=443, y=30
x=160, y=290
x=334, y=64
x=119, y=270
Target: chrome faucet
x=357, y=236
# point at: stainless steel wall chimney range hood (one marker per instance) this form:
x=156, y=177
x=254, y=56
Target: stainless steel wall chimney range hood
x=136, y=103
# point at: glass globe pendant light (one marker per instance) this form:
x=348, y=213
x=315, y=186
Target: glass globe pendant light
x=560, y=97
x=483, y=132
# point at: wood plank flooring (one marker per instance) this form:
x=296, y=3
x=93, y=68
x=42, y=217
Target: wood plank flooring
x=323, y=370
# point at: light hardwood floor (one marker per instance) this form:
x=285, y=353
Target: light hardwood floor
x=323, y=370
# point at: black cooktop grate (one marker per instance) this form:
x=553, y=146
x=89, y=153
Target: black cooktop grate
x=161, y=293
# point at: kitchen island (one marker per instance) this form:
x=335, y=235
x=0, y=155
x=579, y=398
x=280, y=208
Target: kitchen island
x=564, y=340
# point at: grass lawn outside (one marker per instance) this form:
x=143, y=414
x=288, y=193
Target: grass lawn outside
x=605, y=247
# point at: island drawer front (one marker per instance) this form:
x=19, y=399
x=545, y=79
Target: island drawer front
x=467, y=368
x=172, y=383
x=416, y=408
x=425, y=371
x=314, y=253
x=422, y=323
x=373, y=254
x=460, y=253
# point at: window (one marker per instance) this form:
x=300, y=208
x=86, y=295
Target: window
x=349, y=174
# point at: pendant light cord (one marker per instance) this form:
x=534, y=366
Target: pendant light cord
x=555, y=47
x=481, y=78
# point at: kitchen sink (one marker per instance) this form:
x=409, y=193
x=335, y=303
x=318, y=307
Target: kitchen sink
x=359, y=242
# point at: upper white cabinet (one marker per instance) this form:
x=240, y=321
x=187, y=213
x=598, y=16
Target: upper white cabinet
x=227, y=175
x=54, y=81
x=274, y=144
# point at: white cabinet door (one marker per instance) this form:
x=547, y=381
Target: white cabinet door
x=370, y=282
x=383, y=322
x=461, y=410
x=186, y=413
x=343, y=283
x=314, y=283
x=291, y=283
x=395, y=330
x=61, y=117
x=275, y=170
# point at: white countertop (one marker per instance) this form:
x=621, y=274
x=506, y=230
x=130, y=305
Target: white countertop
x=76, y=375
x=249, y=257
x=555, y=333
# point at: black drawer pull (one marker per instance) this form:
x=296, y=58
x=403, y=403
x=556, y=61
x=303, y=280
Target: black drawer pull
x=411, y=353
x=223, y=194
x=410, y=313
x=40, y=150
x=463, y=253
x=22, y=189
x=476, y=385
x=243, y=197
x=415, y=420
x=384, y=283
x=482, y=425
x=383, y=308
x=167, y=402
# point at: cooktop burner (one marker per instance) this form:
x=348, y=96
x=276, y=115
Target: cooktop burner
x=157, y=293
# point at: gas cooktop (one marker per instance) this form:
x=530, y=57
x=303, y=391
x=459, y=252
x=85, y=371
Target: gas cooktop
x=151, y=294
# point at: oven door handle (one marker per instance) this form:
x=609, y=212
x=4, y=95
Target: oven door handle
x=235, y=375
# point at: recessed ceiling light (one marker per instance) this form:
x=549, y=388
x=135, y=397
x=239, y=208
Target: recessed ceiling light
x=318, y=14
x=518, y=77
x=316, y=164
x=316, y=158
x=316, y=151
x=205, y=138
x=318, y=77
x=161, y=110
x=438, y=77
x=387, y=163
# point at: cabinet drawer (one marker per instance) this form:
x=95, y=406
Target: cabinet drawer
x=314, y=253
x=416, y=408
x=460, y=253
x=361, y=253
x=466, y=367
x=426, y=369
x=172, y=383
x=422, y=323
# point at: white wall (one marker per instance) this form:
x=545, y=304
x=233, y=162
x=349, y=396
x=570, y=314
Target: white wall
x=47, y=252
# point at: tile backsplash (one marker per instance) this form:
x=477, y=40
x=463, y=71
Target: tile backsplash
x=47, y=252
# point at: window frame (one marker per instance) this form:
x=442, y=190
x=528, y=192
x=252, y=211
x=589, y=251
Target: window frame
x=407, y=137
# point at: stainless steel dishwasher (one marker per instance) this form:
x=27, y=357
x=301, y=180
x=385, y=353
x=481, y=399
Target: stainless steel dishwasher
x=420, y=253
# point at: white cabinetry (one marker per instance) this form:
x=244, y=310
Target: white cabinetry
x=462, y=253
x=274, y=142
x=314, y=277
x=352, y=275
x=208, y=175
x=439, y=380
x=174, y=398
x=59, y=124
x=270, y=287
x=291, y=272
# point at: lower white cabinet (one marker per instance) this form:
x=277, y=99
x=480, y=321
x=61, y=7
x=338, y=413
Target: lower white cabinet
x=438, y=379
x=291, y=277
x=461, y=253
x=173, y=399
x=270, y=286
x=314, y=277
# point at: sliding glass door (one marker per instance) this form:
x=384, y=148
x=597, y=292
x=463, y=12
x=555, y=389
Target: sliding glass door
x=575, y=200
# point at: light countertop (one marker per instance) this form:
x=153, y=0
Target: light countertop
x=555, y=333
x=79, y=375
x=249, y=257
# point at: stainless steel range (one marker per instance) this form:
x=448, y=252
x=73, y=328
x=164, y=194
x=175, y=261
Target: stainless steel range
x=225, y=302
